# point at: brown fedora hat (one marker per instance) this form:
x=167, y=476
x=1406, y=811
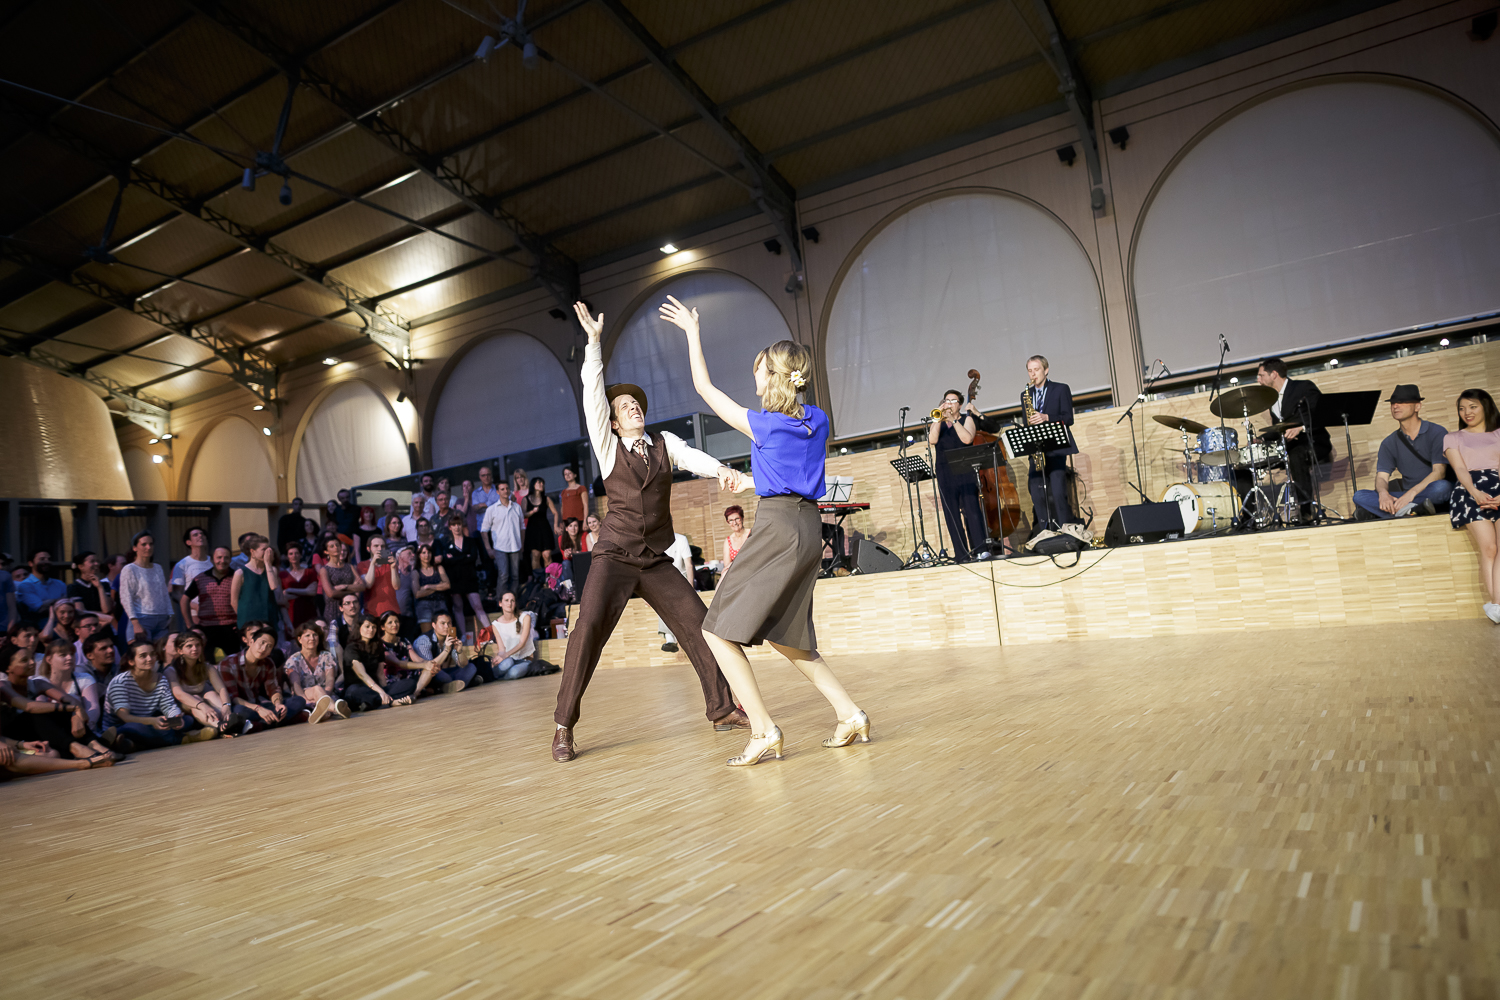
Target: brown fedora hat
x=626, y=389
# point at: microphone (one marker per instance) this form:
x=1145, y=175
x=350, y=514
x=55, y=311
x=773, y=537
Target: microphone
x=1164, y=369
x=905, y=408
x=1225, y=343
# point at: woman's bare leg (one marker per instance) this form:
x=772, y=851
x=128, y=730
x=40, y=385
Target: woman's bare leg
x=458, y=619
x=36, y=764
x=478, y=605
x=736, y=669
x=1483, y=534
x=423, y=681
x=816, y=669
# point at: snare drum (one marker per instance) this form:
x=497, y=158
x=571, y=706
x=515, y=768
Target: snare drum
x=1204, y=505
x=1263, y=455
x=1214, y=441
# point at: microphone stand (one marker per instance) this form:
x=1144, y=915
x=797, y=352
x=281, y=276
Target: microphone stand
x=1235, y=516
x=1135, y=449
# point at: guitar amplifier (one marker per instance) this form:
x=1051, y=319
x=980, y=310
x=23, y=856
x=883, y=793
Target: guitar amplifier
x=872, y=557
x=1150, y=522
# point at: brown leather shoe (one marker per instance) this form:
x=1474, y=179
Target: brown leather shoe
x=734, y=720
x=562, y=746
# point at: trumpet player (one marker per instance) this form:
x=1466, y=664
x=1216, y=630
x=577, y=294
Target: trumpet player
x=952, y=426
x=1047, y=401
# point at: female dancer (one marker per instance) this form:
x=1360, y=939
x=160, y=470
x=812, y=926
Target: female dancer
x=734, y=516
x=769, y=598
x=1474, y=453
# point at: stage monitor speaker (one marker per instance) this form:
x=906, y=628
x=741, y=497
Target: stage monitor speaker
x=1151, y=522
x=872, y=557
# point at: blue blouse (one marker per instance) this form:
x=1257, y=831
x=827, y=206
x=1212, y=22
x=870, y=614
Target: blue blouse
x=787, y=454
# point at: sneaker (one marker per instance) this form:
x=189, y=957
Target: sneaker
x=669, y=647
x=1492, y=612
x=321, y=709
x=249, y=725
x=199, y=735
x=453, y=687
x=1427, y=507
x=1410, y=508
x=341, y=709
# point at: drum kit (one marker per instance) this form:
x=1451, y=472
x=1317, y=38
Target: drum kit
x=1210, y=499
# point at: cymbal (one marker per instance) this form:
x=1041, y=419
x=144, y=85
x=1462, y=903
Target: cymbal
x=1280, y=428
x=1243, y=399
x=1180, y=423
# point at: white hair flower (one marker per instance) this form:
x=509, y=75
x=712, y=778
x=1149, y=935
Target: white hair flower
x=796, y=377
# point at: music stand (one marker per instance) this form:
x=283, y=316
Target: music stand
x=914, y=469
x=1348, y=408
x=977, y=457
x=1031, y=439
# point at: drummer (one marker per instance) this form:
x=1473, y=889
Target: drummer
x=1297, y=403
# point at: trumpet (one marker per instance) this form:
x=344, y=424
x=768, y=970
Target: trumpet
x=937, y=413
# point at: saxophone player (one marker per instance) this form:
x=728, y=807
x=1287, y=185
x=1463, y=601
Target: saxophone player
x=1045, y=400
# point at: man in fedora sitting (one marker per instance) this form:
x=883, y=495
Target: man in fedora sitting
x=1414, y=454
x=630, y=557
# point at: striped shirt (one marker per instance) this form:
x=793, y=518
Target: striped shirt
x=124, y=694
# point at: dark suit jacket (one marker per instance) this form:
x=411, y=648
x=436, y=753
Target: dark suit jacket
x=1057, y=404
x=1299, y=403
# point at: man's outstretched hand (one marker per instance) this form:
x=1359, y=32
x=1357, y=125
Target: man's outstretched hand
x=734, y=481
x=591, y=326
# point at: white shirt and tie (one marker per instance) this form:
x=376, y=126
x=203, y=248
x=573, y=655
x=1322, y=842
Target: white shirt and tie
x=597, y=413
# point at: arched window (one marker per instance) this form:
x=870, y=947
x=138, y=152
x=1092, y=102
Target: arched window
x=231, y=465
x=971, y=280
x=352, y=438
x=738, y=322
x=506, y=394
x=1325, y=213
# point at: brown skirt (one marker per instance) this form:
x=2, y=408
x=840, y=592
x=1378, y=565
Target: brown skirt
x=767, y=593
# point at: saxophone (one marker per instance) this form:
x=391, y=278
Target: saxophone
x=1038, y=459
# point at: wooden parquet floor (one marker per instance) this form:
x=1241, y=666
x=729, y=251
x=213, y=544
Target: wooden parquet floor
x=1313, y=815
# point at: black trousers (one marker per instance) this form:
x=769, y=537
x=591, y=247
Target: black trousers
x=961, y=512
x=1299, y=464
x=1057, y=482
x=615, y=577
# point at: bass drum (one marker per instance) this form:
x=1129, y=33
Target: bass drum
x=1204, y=506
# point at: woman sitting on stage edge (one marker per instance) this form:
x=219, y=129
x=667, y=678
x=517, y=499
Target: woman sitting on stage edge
x=1474, y=455
x=768, y=598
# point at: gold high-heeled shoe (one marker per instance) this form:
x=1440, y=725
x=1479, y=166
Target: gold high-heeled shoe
x=756, y=750
x=857, y=724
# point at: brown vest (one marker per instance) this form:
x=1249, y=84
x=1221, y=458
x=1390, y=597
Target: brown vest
x=640, y=500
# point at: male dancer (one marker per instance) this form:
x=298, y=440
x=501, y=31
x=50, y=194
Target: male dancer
x=630, y=557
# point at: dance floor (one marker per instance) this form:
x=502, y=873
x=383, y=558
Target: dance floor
x=1284, y=813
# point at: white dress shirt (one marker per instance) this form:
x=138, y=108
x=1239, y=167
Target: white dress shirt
x=504, y=524
x=596, y=413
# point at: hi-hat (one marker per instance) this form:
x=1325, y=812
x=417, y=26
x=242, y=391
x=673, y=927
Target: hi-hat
x=1280, y=428
x=1180, y=423
x=1243, y=399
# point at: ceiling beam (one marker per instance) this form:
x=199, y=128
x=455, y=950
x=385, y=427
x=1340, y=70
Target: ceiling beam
x=248, y=367
x=770, y=191
x=1075, y=90
x=551, y=268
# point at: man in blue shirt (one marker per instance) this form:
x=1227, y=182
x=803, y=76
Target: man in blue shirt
x=36, y=594
x=1413, y=453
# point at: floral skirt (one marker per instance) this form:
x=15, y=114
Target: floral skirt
x=1462, y=507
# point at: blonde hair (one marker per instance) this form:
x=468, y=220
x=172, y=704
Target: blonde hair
x=788, y=370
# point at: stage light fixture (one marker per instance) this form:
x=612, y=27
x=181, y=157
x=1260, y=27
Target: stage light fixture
x=258, y=407
x=266, y=431
x=1234, y=381
x=401, y=397
x=1333, y=362
x=810, y=233
x=1067, y=154
x=773, y=245
x=1119, y=136
x=330, y=361
x=1443, y=342
x=158, y=459
x=668, y=248
x=485, y=48
x=286, y=193
x=528, y=55
x=248, y=180
x=154, y=441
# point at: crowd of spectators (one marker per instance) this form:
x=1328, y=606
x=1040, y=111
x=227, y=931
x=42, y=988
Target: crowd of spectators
x=365, y=611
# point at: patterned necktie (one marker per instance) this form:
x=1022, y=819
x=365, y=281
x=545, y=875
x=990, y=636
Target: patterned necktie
x=640, y=448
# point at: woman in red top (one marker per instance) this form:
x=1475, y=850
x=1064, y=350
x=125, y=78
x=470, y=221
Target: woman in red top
x=379, y=574
x=299, y=588
x=574, y=497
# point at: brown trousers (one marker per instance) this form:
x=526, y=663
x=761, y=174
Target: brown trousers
x=614, y=578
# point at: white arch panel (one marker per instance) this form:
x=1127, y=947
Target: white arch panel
x=352, y=438
x=508, y=393
x=146, y=481
x=738, y=322
x=1323, y=214
x=232, y=465
x=972, y=280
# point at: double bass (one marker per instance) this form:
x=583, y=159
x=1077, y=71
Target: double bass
x=1000, y=501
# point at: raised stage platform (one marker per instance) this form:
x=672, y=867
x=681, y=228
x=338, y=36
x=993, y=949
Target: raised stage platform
x=1379, y=572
